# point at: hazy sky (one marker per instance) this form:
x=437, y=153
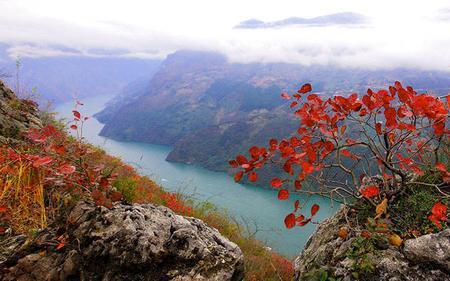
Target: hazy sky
x=414, y=33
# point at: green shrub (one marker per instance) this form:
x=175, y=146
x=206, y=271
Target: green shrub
x=127, y=186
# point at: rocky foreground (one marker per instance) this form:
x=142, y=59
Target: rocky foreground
x=426, y=258
x=139, y=242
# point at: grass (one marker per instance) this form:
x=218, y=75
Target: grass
x=22, y=187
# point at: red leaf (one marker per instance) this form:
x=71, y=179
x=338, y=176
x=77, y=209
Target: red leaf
x=273, y=144
x=417, y=170
x=305, y=89
x=104, y=183
x=241, y=159
x=115, y=196
x=345, y=153
x=74, y=127
x=287, y=167
x=252, y=176
x=60, y=246
x=233, y=163
x=300, y=218
x=314, y=209
x=60, y=149
x=67, y=169
x=370, y=191
x=329, y=146
x=283, y=194
x=441, y=167
x=298, y=184
x=403, y=95
x=3, y=208
x=76, y=114
x=368, y=102
x=438, y=214
x=254, y=152
x=238, y=176
x=435, y=220
x=276, y=182
x=303, y=223
x=378, y=128
x=439, y=210
x=390, y=115
x=41, y=161
x=293, y=104
x=307, y=167
x=289, y=220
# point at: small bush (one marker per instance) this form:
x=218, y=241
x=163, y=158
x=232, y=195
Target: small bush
x=127, y=186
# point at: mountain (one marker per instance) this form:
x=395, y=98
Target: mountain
x=209, y=110
x=63, y=78
x=346, y=18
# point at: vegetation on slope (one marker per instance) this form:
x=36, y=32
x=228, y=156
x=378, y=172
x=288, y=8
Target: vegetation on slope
x=46, y=171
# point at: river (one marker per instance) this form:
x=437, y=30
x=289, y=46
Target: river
x=250, y=204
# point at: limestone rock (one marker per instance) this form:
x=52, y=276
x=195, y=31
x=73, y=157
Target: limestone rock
x=426, y=258
x=16, y=115
x=431, y=248
x=139, y=242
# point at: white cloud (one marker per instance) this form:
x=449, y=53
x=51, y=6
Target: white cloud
x=401, y=33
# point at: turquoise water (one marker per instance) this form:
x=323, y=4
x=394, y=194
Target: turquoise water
x=253, y=205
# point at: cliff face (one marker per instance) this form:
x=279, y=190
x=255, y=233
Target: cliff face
x=328, y=256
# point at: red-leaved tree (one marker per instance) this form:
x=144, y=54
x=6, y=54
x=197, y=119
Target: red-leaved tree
x=370, y=147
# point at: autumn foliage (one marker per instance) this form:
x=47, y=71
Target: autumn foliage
x=372, y=148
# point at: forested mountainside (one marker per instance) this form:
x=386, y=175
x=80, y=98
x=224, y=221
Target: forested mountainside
x=63, y=78
x=208, y=108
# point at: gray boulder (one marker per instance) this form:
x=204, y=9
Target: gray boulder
x=432, y=248
x=139, y=242
x=426, y=258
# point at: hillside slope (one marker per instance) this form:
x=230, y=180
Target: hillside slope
x=70, y=211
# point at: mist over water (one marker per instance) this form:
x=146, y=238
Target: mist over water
x=252, y=206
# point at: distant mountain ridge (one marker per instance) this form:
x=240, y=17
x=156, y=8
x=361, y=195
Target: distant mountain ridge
x=346, y=18
x=209, y=109
x=63, y=78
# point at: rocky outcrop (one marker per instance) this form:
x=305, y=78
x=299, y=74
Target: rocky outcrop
x=139, y=242
x=433, y=249
x=426, y=258
x=16, y=115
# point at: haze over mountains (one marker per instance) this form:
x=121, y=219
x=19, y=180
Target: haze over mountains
x=64, y=78
x=208, y=108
